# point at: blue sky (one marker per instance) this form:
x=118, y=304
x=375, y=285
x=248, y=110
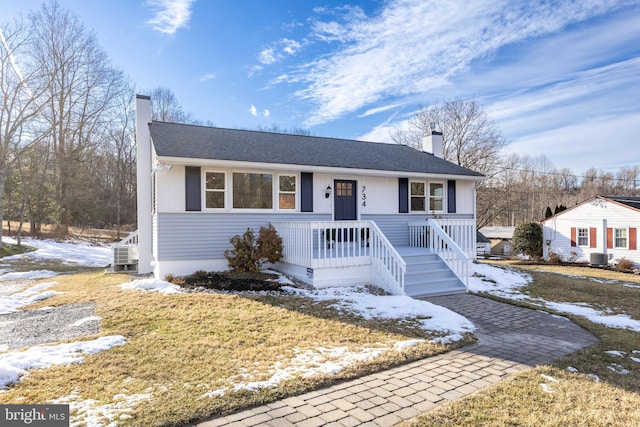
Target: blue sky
x=560, y=78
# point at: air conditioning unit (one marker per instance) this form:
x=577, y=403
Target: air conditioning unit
x=599, y=259
x=125, y=258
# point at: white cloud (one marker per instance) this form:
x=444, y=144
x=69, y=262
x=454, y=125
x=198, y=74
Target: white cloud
x=412, y=46
x=208, y=76
x=253, y=110
x=278, y=51
x=169, y=15
x=266, y=112
x=372, y=111
x=267, y=56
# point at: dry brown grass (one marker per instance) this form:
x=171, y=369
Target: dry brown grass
x=181, y=346
x=577, y=399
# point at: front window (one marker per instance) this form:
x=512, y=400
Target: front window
x=287, y=192
x=214, y=190
x=583, y=237
x=417, y=196
x=436, y=196
x=621, y=238
x=252, y=191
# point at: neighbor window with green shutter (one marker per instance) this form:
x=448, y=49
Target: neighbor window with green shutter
x=214, y=190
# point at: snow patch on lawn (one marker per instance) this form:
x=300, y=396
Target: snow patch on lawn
x=15, y=364
x=507, y=283
x=152, y=285
x=25, y=275
x=92, y=413
x=308, y=363
x=71, y=253
x=361, y=302
x=11, y=303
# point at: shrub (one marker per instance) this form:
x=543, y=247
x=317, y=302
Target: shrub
x=249, y=252
x=199, y=275
x=554, y=258
x=625, y=264
x=169, y=277
x=527, y=239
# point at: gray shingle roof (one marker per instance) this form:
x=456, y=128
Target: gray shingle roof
x=199, y=142
x=632, y=202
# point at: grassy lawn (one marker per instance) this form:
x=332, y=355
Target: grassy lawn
x=180, y=347
x=574, y=398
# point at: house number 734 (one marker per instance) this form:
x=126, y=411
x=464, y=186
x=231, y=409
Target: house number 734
x=364, y=196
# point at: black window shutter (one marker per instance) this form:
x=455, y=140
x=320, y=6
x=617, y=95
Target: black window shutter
x=451, y=196
x=193, y=188
x=403, y=192
x=306, y=192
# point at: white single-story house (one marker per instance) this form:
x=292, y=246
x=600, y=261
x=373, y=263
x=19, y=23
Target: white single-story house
x=600, y=230
x=349, y=212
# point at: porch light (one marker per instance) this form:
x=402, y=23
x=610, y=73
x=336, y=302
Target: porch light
x=327, y=192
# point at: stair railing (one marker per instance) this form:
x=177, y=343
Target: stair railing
x=428, y=234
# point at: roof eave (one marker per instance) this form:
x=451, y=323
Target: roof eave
x=234, y=164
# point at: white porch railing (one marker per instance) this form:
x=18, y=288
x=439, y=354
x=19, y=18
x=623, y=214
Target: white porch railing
x=462, y=231
x=326, y=244
x=130, y=240
x=429, y=234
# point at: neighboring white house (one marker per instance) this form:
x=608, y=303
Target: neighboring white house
x=601, y=230
x=349, y=212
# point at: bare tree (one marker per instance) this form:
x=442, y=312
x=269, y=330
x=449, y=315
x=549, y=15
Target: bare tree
x=166, y=108
x=81, y=88
x=470, y=138
x=21, y=100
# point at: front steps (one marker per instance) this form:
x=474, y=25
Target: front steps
x=428, y=275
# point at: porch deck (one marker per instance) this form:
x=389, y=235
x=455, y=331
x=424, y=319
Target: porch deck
x=344, y=252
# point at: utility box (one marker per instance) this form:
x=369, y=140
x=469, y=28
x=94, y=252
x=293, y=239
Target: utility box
x=125, y=258
x=599, y=259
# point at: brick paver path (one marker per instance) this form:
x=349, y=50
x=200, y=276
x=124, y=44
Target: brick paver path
x=510, y=339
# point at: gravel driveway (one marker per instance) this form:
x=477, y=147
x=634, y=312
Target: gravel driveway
x=47, y=325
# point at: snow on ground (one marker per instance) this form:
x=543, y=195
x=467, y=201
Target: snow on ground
x=69, y=252
x=25, y=275
x=152, y=285
x=508, y=283
x=16, y=363
x=91, y=413
x=11, y=303
x=358, y=300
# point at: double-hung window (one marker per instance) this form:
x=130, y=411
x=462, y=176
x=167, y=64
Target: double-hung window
x=417, y=196
x=214, y=190
x=621, y=238
x=583, y=237
x=436, y=196
x=287, y=192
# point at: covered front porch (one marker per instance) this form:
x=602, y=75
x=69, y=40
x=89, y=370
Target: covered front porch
x=332, y=253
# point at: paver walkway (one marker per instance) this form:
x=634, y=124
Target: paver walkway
x=510, y=339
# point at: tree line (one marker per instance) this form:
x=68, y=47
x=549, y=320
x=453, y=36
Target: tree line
x=517, y=189
x=67, y=149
